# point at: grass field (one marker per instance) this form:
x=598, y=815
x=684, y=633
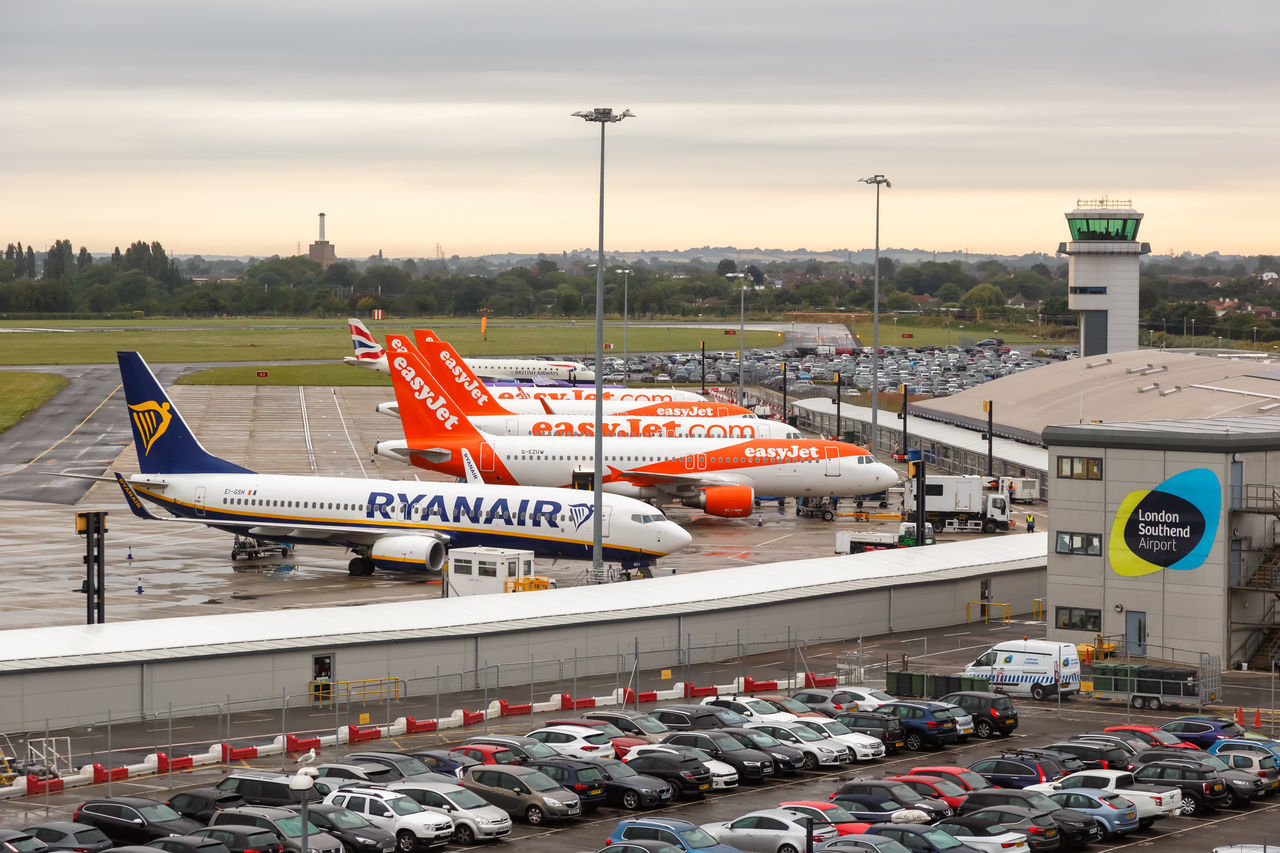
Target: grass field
x=23, y=393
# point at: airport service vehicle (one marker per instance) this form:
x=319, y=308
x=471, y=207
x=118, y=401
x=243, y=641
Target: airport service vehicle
x=1035, y=668
x=958, y=504
x=474, y=819
x=390, y=524
x=477, y=402
x=1153, y=801
x=859, y=541
x=719, y=476
x=370, y=355
x=1019, y=489
x=1155, y=687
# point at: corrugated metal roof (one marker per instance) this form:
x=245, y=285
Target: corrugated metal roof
x=199, y=636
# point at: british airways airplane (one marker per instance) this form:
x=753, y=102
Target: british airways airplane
x=719, y=475
x=369, y=353
x=388, y=524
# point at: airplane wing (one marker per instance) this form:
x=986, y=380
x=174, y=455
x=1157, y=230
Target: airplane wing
x=677, y=483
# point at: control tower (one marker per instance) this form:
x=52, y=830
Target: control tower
x=1102, y=278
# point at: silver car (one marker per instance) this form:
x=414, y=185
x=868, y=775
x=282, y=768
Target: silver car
x=768, y=830
x=522, y=791
x=474, y=817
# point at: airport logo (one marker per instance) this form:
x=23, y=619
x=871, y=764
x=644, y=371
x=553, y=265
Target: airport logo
x=1169, y=526
x=150, y=419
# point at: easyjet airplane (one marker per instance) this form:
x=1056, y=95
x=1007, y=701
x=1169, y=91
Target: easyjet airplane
x=369, y=353
x=389, y=524
x=719, y=475
x=476, y=402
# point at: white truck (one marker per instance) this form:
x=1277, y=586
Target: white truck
x=858, y=541
x=1020, y=489
x=1152, y=802
x=958, y=504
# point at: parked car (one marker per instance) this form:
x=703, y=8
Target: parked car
x=1261, y=747
x=831, y=813
x=986, y=836
x=783, y=702
x=285, y=823
x=933, y=788
x=687, y=776
x=582, y=776
x=243, y=839
x=474, y=818
x=683, y=718
x=723, y=776
x=992, y=713
x=680, y=834
x=188, y=844
x=886, y=728
x=354, y=830
x=445, y=762
x=752, y=764
x=1042, y=832
x=412, y=825
x=133, y=820
x=1130, y=742
x=369, y=772
x=17, y=841
x=522, y=746
x=523, y=792
x=630, y=789
x=1077, y=828
x=964, y=721
x=1094, y=755
x=962, y=776
x=903, y=795
x=1242, y=786
x=488, y=753
x=199, y=804
x=921, y=838
x=753, y=709
x=1204, y=731
x=786, y=758
x=406, y=766
x=1153, y=802
x=1116, y=815
x=631, y=723
x=575, y=741
x=820, y=750
x=864, y=844
x=1260, y=765
x=768, y=830
x=68, y=835
x=835, y=701
x=1202, y=787
x=924, y=723
x=861, y=747
x=868, y=808
x=1153, y=735
x=621, y=741
x=259, y=788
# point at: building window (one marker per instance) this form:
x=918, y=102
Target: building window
x=1078, y=618
x=1082, y=544
x=1080, y=467
x=1088, y=290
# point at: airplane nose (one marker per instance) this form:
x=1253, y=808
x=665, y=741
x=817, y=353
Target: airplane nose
x=675, y=538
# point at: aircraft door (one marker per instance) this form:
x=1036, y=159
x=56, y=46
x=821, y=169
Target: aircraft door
x=513, y=426
x=200, y=501
x=833, y=461
x=486, y=457
x=702, y=461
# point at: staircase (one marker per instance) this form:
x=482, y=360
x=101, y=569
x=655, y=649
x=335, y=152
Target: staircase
x=1268, y=574
x=1261, y=659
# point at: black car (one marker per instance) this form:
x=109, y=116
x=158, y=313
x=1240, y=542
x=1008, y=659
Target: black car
x=1095, y=755
x=872, y=808
x=1202, y=787
x=200, y=803
x=686, y=776
x=65, y=835
x=1013, y=770
x=752, y=764
x=243, y=839
x=993, y=713
x=885, y=728
x=582, y=777
x=188, y=844
x=133, y=820
x=17, y=841
x=444, y=761
x=904, y=795
x=1242, y=785
x=684, y=718
x=629, y=788
x=260, y=788
x=786, y=758
x=1041, y=830
x=355, y=832
x=1076, y=827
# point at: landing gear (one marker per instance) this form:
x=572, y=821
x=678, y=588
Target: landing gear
x=360, y=567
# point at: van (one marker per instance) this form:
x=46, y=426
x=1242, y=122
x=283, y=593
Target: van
x=1035, y=668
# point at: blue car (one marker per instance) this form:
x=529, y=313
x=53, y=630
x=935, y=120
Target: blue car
x=1204, y=732
x=680, y=834
x=921, y=838
x=1260, y=747
x=1114, y=813
x=924, y=723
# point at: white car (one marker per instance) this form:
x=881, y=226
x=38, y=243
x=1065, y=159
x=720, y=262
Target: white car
x=819, y=750
x=412, y=825
x=755, y=710
x=474, y=818
x=863, y=747
x=964, y=721
x=1153, y=802
x=769, y=830
x=723, y=776
x=575, y=741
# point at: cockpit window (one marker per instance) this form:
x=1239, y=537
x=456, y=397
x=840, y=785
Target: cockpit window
x=648, y=519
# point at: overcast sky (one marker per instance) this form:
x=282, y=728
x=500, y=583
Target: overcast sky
x=224, y=127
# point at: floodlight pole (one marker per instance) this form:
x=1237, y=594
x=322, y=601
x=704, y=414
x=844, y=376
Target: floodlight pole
x=603, y=116
x=875, y=317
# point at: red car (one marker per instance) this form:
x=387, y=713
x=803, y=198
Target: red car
x=934, y=787
x=1157, y=737
x=962, y=776
x=829, y=813
x=487, y=753
x=622, y=743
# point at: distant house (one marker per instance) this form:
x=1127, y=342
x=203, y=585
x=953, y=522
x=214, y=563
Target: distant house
x=1264, y=312
x=1269, y=279
x=1222, y=306
x=925, y=302
x=1020, y=301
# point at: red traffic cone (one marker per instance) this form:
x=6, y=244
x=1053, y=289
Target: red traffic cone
x=1240, y=716
x=1257, y=718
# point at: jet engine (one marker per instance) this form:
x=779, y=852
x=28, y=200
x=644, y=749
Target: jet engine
x=408, y=553
x=724, y=501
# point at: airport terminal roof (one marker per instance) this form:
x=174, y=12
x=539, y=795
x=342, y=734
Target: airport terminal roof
x=1139, y=386
x=1227, y=435
x=197, y=636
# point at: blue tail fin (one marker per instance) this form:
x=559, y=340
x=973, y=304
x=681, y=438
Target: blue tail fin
x=164, y=443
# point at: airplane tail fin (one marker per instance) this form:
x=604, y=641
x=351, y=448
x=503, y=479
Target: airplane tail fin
x=366, y=345
x=465, y=388
x=164, y=442
x=426, y=411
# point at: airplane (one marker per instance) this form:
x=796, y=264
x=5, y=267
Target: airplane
x=389, y=524
x=476, y=402
x=721, y=476
x=369, y=353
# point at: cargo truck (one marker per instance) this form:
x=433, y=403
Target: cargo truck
x=958, y=504
x=1020, y=489
x=858, y=541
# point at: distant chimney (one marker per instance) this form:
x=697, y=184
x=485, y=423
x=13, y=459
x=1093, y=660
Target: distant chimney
x=321, y=228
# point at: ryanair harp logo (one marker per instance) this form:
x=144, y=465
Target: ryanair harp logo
x=580, y=514
x=150, y=419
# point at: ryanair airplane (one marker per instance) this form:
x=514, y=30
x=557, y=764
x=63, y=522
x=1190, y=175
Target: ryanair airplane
x=389, y=524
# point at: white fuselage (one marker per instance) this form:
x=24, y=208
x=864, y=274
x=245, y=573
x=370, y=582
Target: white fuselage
x=623, y=426
x=504, y=368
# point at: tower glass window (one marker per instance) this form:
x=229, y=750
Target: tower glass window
x=1091, y=228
